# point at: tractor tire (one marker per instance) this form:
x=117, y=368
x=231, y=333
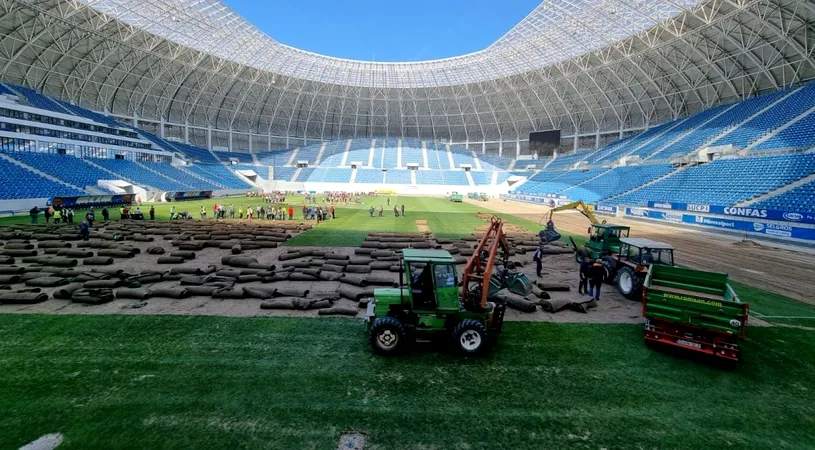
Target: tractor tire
x=629, y=283
x=470, y=337
x=387, y=336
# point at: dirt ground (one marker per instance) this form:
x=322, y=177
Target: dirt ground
x=612, y=308
x=765, y=266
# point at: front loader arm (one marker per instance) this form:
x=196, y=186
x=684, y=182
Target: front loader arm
x=477, y=272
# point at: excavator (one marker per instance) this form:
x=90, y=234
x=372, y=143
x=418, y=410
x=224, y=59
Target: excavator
x=431, y=304
x=604, y=238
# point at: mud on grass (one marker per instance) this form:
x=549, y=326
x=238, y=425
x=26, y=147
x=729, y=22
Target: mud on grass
x=208, y=382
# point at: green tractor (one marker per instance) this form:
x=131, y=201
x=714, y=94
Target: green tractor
x=604, y=240
x=456, y=197
x=430, y=303
x=630, y=266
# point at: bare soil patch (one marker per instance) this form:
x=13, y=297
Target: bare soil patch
x=781, y=271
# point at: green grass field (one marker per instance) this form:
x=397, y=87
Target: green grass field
x=205, y=382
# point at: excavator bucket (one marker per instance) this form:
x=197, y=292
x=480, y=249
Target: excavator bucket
x=518, y=283
x=547, y=236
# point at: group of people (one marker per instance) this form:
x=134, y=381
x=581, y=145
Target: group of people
x=267, y=212
x=396, y=210
x=318, y=213
x=65, y=214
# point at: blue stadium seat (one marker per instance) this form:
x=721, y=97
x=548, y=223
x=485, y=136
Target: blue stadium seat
x=245, y=158
x=397, y=176
x=219, y=174
x=69, y=169
x=368, y=176
x=140, y=175
x=725, y=181
x=182, y=176
x=800, y=199
x=27, y=184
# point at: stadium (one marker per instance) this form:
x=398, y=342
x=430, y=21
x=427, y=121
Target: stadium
x=212, y=239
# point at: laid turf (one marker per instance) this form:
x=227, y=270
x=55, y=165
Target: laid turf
x=776, y=308
x=206, y=382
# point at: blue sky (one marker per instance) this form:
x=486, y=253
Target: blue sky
x=385, y=30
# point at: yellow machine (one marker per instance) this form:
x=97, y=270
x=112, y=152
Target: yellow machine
x=581, y=207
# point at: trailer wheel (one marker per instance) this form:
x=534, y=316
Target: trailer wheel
x=387, y=336
x=470, y=336
x=629, y=283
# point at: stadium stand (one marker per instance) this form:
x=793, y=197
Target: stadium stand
x=28, y=184
x=334, y=151
x=195, y=153
x=328, y=175
x=181, y=176
x=218, y=174
x=38, y=100
x=397, y=177
x=284, y=173
x=800, y=199
x=139, y=175
x=568, y=160
x=275, y=158
x=681, y=129
x=412, y=155
x=368, y=176
x=245, y=158
x=725, y=181
x=616, y=181
x=557, y=182
x=481, y=178
x=308, y=153
x=69, y=169
x=497, y=162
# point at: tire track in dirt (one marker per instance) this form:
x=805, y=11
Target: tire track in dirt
x=781, y=271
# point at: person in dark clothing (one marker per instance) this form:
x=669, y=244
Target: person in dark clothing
x=90, y=216
x=34, y=213
x=70, y=215
x=47, y=215
x=395, y=211
x=84, y=231
x=389, y=201
x=583, y=288
x=597, y=274
x=538, y=258
x=403, y=210
x=371, y=211
x=153, y=213
x=105, y=214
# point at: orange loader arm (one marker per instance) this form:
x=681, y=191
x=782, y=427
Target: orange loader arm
x=477, y=273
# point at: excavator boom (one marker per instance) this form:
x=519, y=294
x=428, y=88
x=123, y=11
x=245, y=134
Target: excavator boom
x=579, y=206
x=477, y=272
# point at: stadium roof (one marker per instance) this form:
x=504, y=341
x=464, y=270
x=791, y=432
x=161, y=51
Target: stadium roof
x=556, y=31
x=583, y=66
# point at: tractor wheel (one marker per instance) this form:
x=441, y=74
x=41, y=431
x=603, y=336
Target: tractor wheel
x=386, y=336
x=470, y=336
x=580, y=255
x=629, y=283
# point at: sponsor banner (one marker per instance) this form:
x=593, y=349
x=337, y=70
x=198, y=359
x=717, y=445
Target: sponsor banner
x=603, y=209
x=187, y=195
x=726, y=223
x=746, y=211
x=91, y=200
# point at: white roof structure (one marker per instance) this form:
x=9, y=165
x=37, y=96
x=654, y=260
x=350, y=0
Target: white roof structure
x=646, y=243
x=582, y=66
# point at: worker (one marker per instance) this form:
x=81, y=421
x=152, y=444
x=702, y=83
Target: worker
x=90, y=216
x=34, y=213
x=597, y=274
x=105, y=214
x=84, y=231
x=538, y=258
x=389, y=201
x=332, y=212
x=583, y=287
x=61, y=215
x=395, y=211
x=249, y=212
x=172, y=212
x=70, y=215
x=48, y=214
x=231, y=211
x=152, y=212
x=203, y=212
x=371, y=211
x=381, y=210
x=240, y=212
x=291, y=213
x=403, y=210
